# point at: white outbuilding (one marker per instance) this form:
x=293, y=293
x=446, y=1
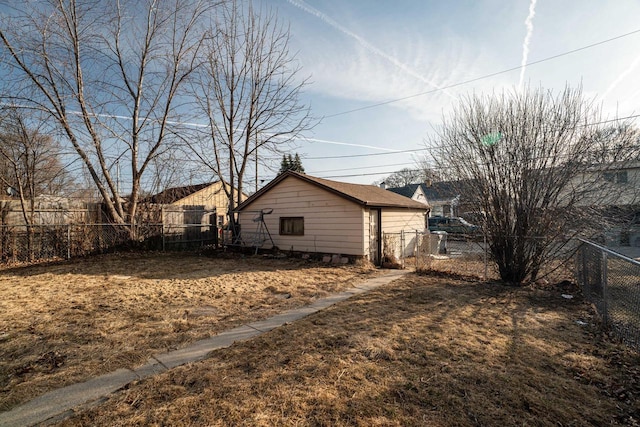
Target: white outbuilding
x=302, y=213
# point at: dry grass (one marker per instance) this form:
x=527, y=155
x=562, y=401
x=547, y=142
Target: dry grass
x=422, y=351
x=64, y=323
x=472, y=267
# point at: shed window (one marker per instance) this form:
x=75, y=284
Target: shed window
x=292, y=226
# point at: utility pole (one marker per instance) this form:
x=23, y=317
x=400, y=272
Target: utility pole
x=256, y=162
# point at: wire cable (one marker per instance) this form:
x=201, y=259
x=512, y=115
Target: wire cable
x=363, y=155
x=486, y=76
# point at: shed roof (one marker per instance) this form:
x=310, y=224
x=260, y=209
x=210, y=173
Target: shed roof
x=172, y=195
x=366, y=195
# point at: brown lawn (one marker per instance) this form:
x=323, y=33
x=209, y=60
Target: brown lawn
x=64, y=323
x=422, y=351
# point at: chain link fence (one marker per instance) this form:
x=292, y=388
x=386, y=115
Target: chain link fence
x=420, y=248
x=395, y=249
x=32, y=243
x=612, y=283
x=417, y=247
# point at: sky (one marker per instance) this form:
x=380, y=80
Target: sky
x=361, y=53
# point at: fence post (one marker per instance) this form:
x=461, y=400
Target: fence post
x=163, y=238
x=586, y=287
x=402, y=241
x=416, y=249
x=485, y=255
x=605, y=291
x=68, y=241
x=15, y=246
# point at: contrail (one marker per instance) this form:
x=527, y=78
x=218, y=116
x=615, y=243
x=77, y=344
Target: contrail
x=109, y=116
x=324, y=141
x=404, y=67
x=621, y=77
x=525, y=46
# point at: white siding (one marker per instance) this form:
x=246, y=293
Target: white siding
x=600, y=192
x=332, y=224
x=395, y=221
x=211, y=197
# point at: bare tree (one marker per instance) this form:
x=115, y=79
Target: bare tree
x=407, y=176
x=30, y=162
x=109, y=75
x=30, y=166
x=527, y=158
x=249, y=90
x=620, y=143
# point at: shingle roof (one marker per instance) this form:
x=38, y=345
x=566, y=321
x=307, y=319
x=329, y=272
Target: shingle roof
x=172, y=195
x=407, y=190
x=445, y=190
x=367, y=195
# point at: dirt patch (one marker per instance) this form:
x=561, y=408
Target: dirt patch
x=424, y=350
x=64, y=323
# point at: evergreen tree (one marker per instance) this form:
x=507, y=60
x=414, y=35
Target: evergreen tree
x=284, y=164
x=291, y=163
x=297, y=164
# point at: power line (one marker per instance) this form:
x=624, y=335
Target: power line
x=366, y=174
x=431, y=168
x=364, y=155
x=486, y=76
x=617, y=119
x=425, y=149
x=361, y=167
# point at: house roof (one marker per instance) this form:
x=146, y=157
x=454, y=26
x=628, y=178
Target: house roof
x=445, y=190
x=406, y=191
x=366, y=195
x=172, y=195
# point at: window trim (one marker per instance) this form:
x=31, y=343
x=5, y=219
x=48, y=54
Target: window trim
x=293, y=220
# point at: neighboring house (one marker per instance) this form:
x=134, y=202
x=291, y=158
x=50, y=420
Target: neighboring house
x=443, y=198
x=205, y=203
x=614, y=189
x=611, y=189
x=615, y=185
x=307, y=214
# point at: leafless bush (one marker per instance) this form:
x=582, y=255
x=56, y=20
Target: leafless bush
x=529, y=161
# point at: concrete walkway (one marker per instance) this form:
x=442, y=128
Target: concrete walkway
x=59, y=404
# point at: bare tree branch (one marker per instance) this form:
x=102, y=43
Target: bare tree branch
x=527, y=161
x=109, y=74
x=249, y=89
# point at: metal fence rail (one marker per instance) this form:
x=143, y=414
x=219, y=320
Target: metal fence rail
x=612, y=283
x=33, y=243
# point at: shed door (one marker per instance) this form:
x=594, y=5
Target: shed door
x=375, y=243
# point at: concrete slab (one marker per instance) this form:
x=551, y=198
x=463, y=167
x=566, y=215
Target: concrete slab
x=59, y=404
x=280, y=319
x=199, y=350
x=331, y=300
x=152, y=367
x=57, y=401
